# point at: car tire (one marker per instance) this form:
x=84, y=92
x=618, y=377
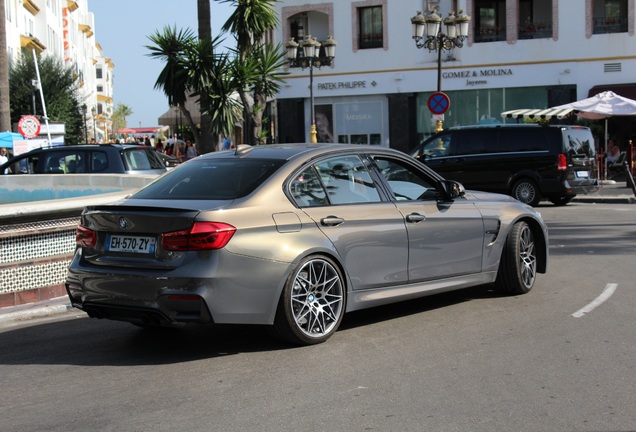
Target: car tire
x=526, y=191
x=561, y=201
x=312, y=303
x=518, y=264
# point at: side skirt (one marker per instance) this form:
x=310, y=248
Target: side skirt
x=369, y=298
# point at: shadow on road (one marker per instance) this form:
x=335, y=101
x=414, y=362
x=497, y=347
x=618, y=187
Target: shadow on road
x=91, y=342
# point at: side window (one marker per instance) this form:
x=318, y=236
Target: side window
x=406, y=182
x=437, y=147
x=475, y=142
x=99, y=161
x=137, y=160
x=347, y=181
x=74, y=163
x=522, y=140
x=58, y=162
x=307, y=189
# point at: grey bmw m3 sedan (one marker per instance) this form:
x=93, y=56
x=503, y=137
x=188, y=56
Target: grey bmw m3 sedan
x=294, y=236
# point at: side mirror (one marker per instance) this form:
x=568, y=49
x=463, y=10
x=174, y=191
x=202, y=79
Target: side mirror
x=453, y=189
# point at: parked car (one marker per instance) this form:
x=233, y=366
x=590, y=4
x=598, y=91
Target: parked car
x=294, y=236
x=86, y=159
x=528, y=162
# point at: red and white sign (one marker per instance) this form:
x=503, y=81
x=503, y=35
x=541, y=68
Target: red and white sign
x=29, y=126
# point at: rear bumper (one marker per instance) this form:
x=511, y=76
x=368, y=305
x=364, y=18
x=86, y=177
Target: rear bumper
x=584, y=189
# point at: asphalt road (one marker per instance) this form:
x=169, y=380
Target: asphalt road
x=561, y=358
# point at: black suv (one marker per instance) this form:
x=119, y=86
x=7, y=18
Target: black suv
x=528, y=162
x=87, y=159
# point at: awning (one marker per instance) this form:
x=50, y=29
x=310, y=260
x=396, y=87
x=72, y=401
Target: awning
x=625, y=90
x=537, y=113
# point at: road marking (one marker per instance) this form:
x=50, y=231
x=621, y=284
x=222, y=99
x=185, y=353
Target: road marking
x=606, y=294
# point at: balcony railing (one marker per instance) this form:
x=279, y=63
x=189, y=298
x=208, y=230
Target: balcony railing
x=538, y=30
x=609, y=25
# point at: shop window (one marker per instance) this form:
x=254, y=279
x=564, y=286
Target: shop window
x=535, y=19
x=490, y=20
x=609, y=16
x=371, y=31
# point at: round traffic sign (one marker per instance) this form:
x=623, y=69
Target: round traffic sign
x=29, y=126
x=438, y=103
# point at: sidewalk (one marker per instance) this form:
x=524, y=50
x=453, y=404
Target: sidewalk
x=615, y=192
x=610, y=192
x=53, y=307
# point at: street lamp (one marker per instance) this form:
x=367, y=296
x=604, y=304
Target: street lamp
x=427, y=33
x=309, y=54
x=84, y=109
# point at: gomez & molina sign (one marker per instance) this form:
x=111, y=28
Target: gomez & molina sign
x=477, y=77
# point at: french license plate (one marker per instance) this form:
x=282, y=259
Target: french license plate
x=583, y=174
x=134, y=244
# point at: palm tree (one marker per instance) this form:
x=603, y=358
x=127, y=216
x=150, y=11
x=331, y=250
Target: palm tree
x=207, y=143
x=190, y=70
x=119, y=116
x=5, y=105
x=260, y=73
x=249, y=22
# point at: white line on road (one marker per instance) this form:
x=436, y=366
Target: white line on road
x=606, y=294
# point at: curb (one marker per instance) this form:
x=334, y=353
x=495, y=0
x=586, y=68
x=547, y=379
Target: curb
x=35, y=310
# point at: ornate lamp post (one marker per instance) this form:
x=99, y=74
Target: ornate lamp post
x=427, y=33
x=309, y=54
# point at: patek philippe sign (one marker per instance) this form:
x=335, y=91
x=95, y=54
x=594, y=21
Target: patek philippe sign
x=339, y=85
x=477, y=77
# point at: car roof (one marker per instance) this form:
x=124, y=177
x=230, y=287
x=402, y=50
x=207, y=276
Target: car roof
x=290, y=151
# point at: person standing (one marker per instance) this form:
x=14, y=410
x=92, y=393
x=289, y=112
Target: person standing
x=191, y=151
x=4, y=158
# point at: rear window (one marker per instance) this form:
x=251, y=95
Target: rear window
x=141, y=159
x=579, y=142
x=211, y=179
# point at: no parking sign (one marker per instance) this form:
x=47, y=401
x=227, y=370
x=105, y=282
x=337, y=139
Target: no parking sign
x=438, y=103
x=29, y=126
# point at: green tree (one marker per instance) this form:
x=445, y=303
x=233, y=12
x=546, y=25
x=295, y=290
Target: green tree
x=60, y=87
x=259, y=74
x=189, y=69
x=249, y=22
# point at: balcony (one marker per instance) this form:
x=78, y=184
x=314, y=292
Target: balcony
x=538, y=30
x=604, y=25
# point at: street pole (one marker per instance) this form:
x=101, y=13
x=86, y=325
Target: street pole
x=427, y=33
x=313, y=135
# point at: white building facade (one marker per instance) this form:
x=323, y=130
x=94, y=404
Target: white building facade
x=65, y=29
x=518, y=54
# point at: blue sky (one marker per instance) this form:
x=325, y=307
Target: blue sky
x=122, y=28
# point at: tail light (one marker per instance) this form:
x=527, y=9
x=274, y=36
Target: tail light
x=562, y=162
x=85, y=237
x=202, y=236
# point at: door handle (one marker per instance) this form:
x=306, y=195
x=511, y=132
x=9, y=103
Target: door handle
x=331, y=221
x=415, y=218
